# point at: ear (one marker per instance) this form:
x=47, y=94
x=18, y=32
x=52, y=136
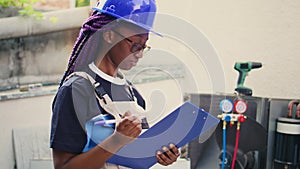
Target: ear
x=108, y=36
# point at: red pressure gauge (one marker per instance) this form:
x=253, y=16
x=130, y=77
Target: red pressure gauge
x=240, y=106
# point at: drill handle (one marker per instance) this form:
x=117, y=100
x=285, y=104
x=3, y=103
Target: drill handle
x=241, y=78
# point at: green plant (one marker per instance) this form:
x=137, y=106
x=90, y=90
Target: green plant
x=24, y=7
x=81, y=3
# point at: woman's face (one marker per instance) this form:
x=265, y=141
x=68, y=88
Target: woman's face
x=129, y=49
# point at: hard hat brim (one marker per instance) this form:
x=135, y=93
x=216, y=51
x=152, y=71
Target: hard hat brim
x=127, y=20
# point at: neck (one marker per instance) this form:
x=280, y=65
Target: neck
x=107, y=66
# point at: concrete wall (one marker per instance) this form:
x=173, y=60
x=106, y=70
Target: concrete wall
x=35, y=58
x=20, y=113
x=37, y=50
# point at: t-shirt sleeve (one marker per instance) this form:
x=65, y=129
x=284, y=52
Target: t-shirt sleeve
x=66, y=131
x=70, y=112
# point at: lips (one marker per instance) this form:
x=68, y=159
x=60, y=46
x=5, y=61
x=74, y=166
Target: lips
x=134, y=61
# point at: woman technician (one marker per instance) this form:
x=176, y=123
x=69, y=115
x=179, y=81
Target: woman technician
x=114, y=37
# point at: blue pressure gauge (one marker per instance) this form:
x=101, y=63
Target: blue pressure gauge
x=226, y=106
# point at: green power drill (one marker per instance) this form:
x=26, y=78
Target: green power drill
x=243, y=69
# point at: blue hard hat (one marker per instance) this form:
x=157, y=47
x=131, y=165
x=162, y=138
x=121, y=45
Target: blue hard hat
x=138, y=12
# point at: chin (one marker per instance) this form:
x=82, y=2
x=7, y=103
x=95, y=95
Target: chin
x=127, y=66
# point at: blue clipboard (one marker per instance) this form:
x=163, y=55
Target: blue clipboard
x=180, y=127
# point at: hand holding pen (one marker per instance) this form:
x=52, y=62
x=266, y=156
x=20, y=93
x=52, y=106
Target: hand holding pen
x=145, y=124
x=127, y=129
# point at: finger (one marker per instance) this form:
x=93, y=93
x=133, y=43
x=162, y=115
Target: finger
x=137, y=131
x=130, y=128
x=171, y=153
x=136, y=120
x=128, y=113
x=134, y=126
x=123, y=124
x=131, y=121
x=160, y=159
x=167, y=156
x=174, y=149
x=171, y=156
x=128, y=120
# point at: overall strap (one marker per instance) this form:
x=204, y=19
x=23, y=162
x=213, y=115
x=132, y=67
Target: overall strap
x=101, y=95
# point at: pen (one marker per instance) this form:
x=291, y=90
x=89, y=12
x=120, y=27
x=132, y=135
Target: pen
x=105, y=122
x=113, y=121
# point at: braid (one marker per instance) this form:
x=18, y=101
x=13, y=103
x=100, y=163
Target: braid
x=94, y=23
x=76, y=50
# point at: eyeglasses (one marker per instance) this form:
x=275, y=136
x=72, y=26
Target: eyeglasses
x=135, y=47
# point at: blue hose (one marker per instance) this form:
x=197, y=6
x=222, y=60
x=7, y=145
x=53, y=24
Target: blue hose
x=224, y=146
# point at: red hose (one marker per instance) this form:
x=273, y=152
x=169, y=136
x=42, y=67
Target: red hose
x=290, y=107
x=237, y=136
